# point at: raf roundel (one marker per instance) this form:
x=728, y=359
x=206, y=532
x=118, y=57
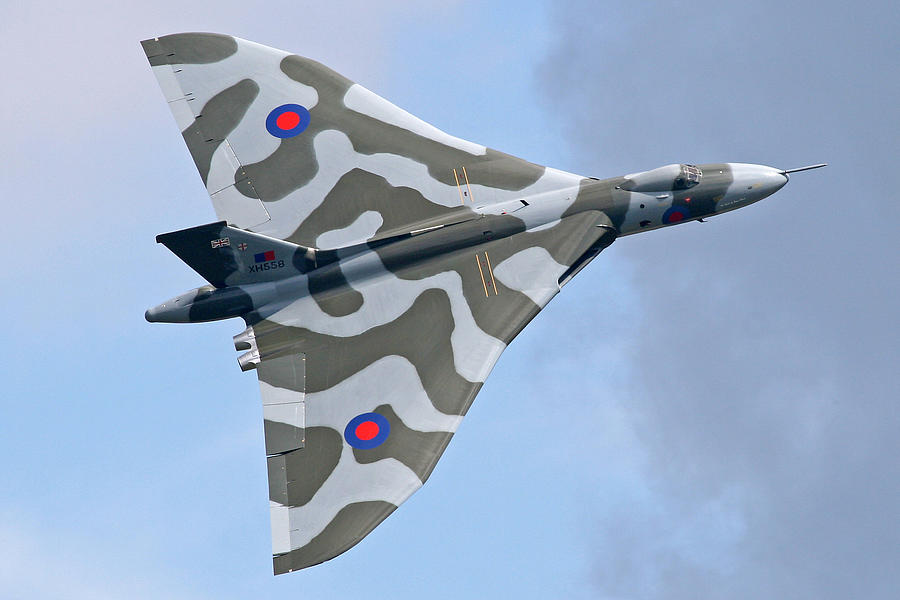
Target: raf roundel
x=287, y=120
x=367, y=431
x=676, y=214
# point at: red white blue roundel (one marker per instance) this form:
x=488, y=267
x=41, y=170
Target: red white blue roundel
x=676, y=214
x=287, y=120
x=367, y=431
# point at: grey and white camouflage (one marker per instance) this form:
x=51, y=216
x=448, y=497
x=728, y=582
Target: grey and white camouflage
x=381, y=266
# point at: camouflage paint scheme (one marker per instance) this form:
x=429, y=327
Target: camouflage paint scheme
x=381, y=266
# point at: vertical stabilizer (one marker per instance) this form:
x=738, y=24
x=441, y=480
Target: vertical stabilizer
x=226, y=256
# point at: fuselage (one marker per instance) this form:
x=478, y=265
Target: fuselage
x=632, y=203
x=648, y=200
x=695, y=192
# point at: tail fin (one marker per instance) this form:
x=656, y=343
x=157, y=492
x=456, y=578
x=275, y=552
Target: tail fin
x=227, y=256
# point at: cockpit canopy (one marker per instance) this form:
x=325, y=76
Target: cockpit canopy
x=663, y=179
x=688, y=177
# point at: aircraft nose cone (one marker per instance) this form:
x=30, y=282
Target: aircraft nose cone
x=755, y=182
x=773, y=179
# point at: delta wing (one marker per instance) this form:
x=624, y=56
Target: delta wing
x=385, y=387
x=289, y=148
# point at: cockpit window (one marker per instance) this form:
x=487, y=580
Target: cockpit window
x=688, y=177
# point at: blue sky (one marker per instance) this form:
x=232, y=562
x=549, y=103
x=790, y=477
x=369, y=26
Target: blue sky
x=707, y=411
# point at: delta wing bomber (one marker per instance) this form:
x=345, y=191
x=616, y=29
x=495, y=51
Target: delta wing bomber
x=381, y=267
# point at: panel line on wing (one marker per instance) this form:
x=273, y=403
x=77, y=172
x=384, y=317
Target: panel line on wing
x=458, y=187
x=491, y=272
x=481, y=272
x=466, y=175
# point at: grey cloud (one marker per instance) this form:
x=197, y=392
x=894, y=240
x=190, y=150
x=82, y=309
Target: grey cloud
x=764, y=348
